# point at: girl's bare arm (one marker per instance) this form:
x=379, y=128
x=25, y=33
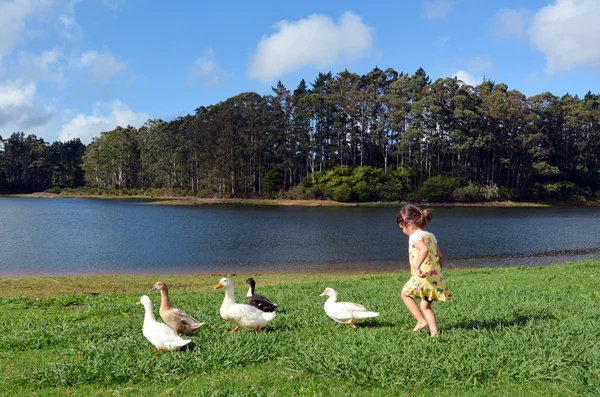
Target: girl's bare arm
x=423, y=251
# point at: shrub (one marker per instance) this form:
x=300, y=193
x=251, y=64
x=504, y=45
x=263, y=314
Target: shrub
x=438, y=188
x=506, y=193
x=299, y=192
x=490, y=192
x=272, y=182
x=364, y=191
x=468, y=194
x=319, y=193
x=336, y=177
x=342, y=193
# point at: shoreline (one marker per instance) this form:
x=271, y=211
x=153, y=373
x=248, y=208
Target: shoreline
x=192, y=201
x=40, y=286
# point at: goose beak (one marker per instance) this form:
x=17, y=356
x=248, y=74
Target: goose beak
x=138, y=303
x=324, y=293
x=152, y=289
x=218, y=286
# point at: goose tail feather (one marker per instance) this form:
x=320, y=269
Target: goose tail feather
x=177, y=344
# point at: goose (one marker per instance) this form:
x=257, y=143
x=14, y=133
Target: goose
x=159, y=334
x=241, y=315
x=345, y=312
x=257, y=300
x=180, y=321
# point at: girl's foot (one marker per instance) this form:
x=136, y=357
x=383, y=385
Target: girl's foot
x=434, y=334
x=420, y=326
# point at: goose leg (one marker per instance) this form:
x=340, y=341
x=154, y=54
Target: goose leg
x=234, y=330
x=351, y=323
x=259, y=330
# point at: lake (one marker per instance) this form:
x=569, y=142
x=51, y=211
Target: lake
x=71, y=236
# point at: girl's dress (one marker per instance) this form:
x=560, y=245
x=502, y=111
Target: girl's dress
x=433, y=285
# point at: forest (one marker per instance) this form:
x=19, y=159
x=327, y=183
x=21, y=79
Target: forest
x=382, y=136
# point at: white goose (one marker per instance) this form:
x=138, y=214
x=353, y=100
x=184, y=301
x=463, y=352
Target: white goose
x=241, y=315
x=345, y=312
x=159, y=334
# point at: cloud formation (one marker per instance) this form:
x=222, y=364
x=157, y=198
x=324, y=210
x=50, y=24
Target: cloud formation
x=568, y=33
x=104, y=117
x=101, y=66
x=315, y=41
x=510, y=24
x=16, y=93
x=18, y=111
x=468, y=78
x=12, y=23
x=437, y=9
x=205, y=69
x=47, y=66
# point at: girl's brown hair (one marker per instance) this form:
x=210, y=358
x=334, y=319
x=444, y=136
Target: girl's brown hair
x=411, y=214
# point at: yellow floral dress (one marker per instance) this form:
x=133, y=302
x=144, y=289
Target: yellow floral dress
x=433, y=285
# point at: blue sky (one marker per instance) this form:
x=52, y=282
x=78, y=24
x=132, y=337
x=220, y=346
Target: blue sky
x=74, y=68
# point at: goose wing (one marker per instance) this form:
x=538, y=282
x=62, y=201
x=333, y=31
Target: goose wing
x=159, y=334
x=261, y=302
x=350, y=307
x=183, y=317
x=249, y=316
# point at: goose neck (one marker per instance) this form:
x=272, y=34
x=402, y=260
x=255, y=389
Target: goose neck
x=229, y=295
x=332, y=299
x=164, y=299
x=149, y=315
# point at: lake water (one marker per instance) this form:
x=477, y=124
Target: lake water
x=88, y=236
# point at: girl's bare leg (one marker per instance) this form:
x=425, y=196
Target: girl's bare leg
x=430, y=317
x=414, y=310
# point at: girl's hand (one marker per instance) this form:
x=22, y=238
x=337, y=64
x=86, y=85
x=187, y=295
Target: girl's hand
x=421, y=273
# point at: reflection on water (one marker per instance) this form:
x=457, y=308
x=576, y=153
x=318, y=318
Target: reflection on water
x=86, y=236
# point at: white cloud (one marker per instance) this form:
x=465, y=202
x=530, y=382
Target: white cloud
x=12, y=23
x=314, y=41
x=468, y=78
x=18, y=111
x=102, y=67
x=70, y=28
x=437, y=9
x=104, y=117
x=568, y=33
x=510, y=24
x=205, y=69
x=16, y=93
x=15, y=16
x=46, y=66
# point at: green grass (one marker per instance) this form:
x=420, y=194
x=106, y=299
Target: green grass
x=510, y=331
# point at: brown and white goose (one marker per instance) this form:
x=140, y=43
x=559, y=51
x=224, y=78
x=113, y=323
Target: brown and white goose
x=177, y=319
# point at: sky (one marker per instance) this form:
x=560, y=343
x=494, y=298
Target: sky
x=74, y=68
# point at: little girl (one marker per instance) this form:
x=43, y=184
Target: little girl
x=426, y=259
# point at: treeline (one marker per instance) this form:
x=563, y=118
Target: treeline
x=381, y=136
x=29, y=164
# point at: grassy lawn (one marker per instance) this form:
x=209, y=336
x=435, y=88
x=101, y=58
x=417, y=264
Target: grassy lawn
x=507, y=332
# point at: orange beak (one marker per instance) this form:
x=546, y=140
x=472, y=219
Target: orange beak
x=218, y=286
